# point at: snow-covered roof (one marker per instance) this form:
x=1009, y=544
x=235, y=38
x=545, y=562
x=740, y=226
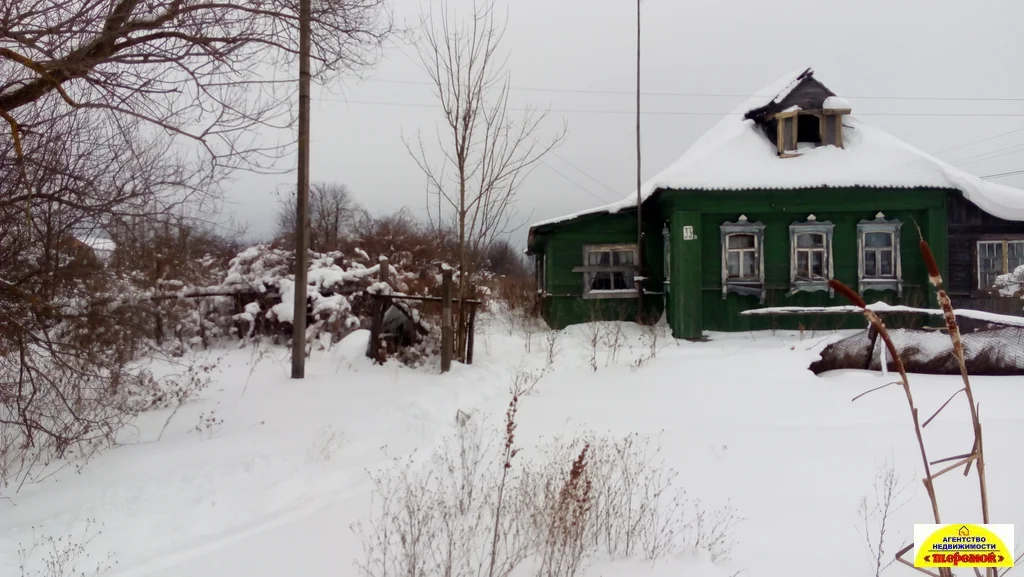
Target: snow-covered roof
x=736, y=155
x=836, y=103
x=97, y=243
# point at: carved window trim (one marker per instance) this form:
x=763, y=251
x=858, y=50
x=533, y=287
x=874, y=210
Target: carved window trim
x=880, y=283
x=811, y=226
x=746, y=286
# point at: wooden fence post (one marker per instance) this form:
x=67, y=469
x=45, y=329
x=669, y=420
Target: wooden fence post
x=471, y=332
x=380, y=307
x=446, y=319
x=872, y=339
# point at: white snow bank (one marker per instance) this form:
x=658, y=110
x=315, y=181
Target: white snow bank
x=273, y=491
x=736, y=155
x=1008, y=320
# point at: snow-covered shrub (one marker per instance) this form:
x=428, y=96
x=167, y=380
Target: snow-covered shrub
x=337, y=303
x=476, y=507
x=63, y=556
x=155, y=260
x=1012, y=284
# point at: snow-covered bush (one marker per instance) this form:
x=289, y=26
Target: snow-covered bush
x=337, y=293
x=478, y=508
x=1012, y=284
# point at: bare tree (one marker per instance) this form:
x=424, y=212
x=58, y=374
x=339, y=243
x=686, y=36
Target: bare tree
x=486, y=153
x=332, y=216
x=203, y=70
x=119, y=113
x=66, y=381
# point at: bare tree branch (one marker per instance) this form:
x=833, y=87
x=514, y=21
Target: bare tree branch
x=486, y=154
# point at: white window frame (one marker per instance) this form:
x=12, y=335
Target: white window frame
x=752, y=286
x=540, y=272
x=587, y=270
x=813, y=226
x=667, y=248
x=1005, y=242
x=879, y=283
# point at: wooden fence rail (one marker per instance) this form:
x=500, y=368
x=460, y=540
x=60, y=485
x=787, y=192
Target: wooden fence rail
x=376, y=349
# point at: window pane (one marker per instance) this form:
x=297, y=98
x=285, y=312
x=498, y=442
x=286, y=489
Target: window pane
x=749, y=264
x=801, y=265
x=988, y=280
x=623, y=258
x=818, y=263
x=1015, y=254
x=787, y=134
x=990, y=263
x=877, y=239
x=622, y=280
x=741, y=241
x=992, y=250
x=990, y=256
x=810, y=240
x=600, y=281
x=594, y=258
x=870, y=263
x=885, y=259
x=733, y=263
x=667, y=250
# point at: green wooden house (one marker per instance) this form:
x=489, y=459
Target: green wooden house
x=788, y=191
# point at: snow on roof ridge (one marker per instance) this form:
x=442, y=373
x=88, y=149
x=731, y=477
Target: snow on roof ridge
x=872, y=158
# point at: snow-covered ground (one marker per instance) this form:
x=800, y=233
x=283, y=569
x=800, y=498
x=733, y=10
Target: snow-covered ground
x=264, y=475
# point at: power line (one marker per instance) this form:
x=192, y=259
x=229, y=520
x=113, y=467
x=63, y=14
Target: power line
x=670, y=112
x=991, y=154
x=973, y=142
x=581, y=187
x=706, y=94
x=583, y=172
x=1002, y=174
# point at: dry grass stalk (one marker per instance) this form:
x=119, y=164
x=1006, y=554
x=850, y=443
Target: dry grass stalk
x=565, y=545
x=883, y=333
x=509, y=453
x=876, y=516
x=977, y=453
x=958, y=351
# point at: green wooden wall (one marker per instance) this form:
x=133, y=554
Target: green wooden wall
x=562, y=248
x=695, y=302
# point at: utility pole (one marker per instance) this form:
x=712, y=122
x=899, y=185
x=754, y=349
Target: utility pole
x=639, y=219
x=302, y=200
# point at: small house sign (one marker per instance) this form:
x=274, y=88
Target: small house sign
x=688, y=233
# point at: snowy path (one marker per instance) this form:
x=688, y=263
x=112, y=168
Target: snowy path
x=740, y=418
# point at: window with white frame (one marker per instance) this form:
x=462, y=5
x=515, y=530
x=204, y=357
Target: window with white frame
x=743, y=258
x=608, y=270
x=666, y=239
x=810, y=266
x=879, y=265
x=997, y=257
x=539, y=273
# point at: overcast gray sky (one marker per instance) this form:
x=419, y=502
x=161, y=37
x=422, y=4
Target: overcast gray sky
x=577, y=57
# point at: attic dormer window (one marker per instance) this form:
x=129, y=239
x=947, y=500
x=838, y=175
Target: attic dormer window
x=800, y=130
